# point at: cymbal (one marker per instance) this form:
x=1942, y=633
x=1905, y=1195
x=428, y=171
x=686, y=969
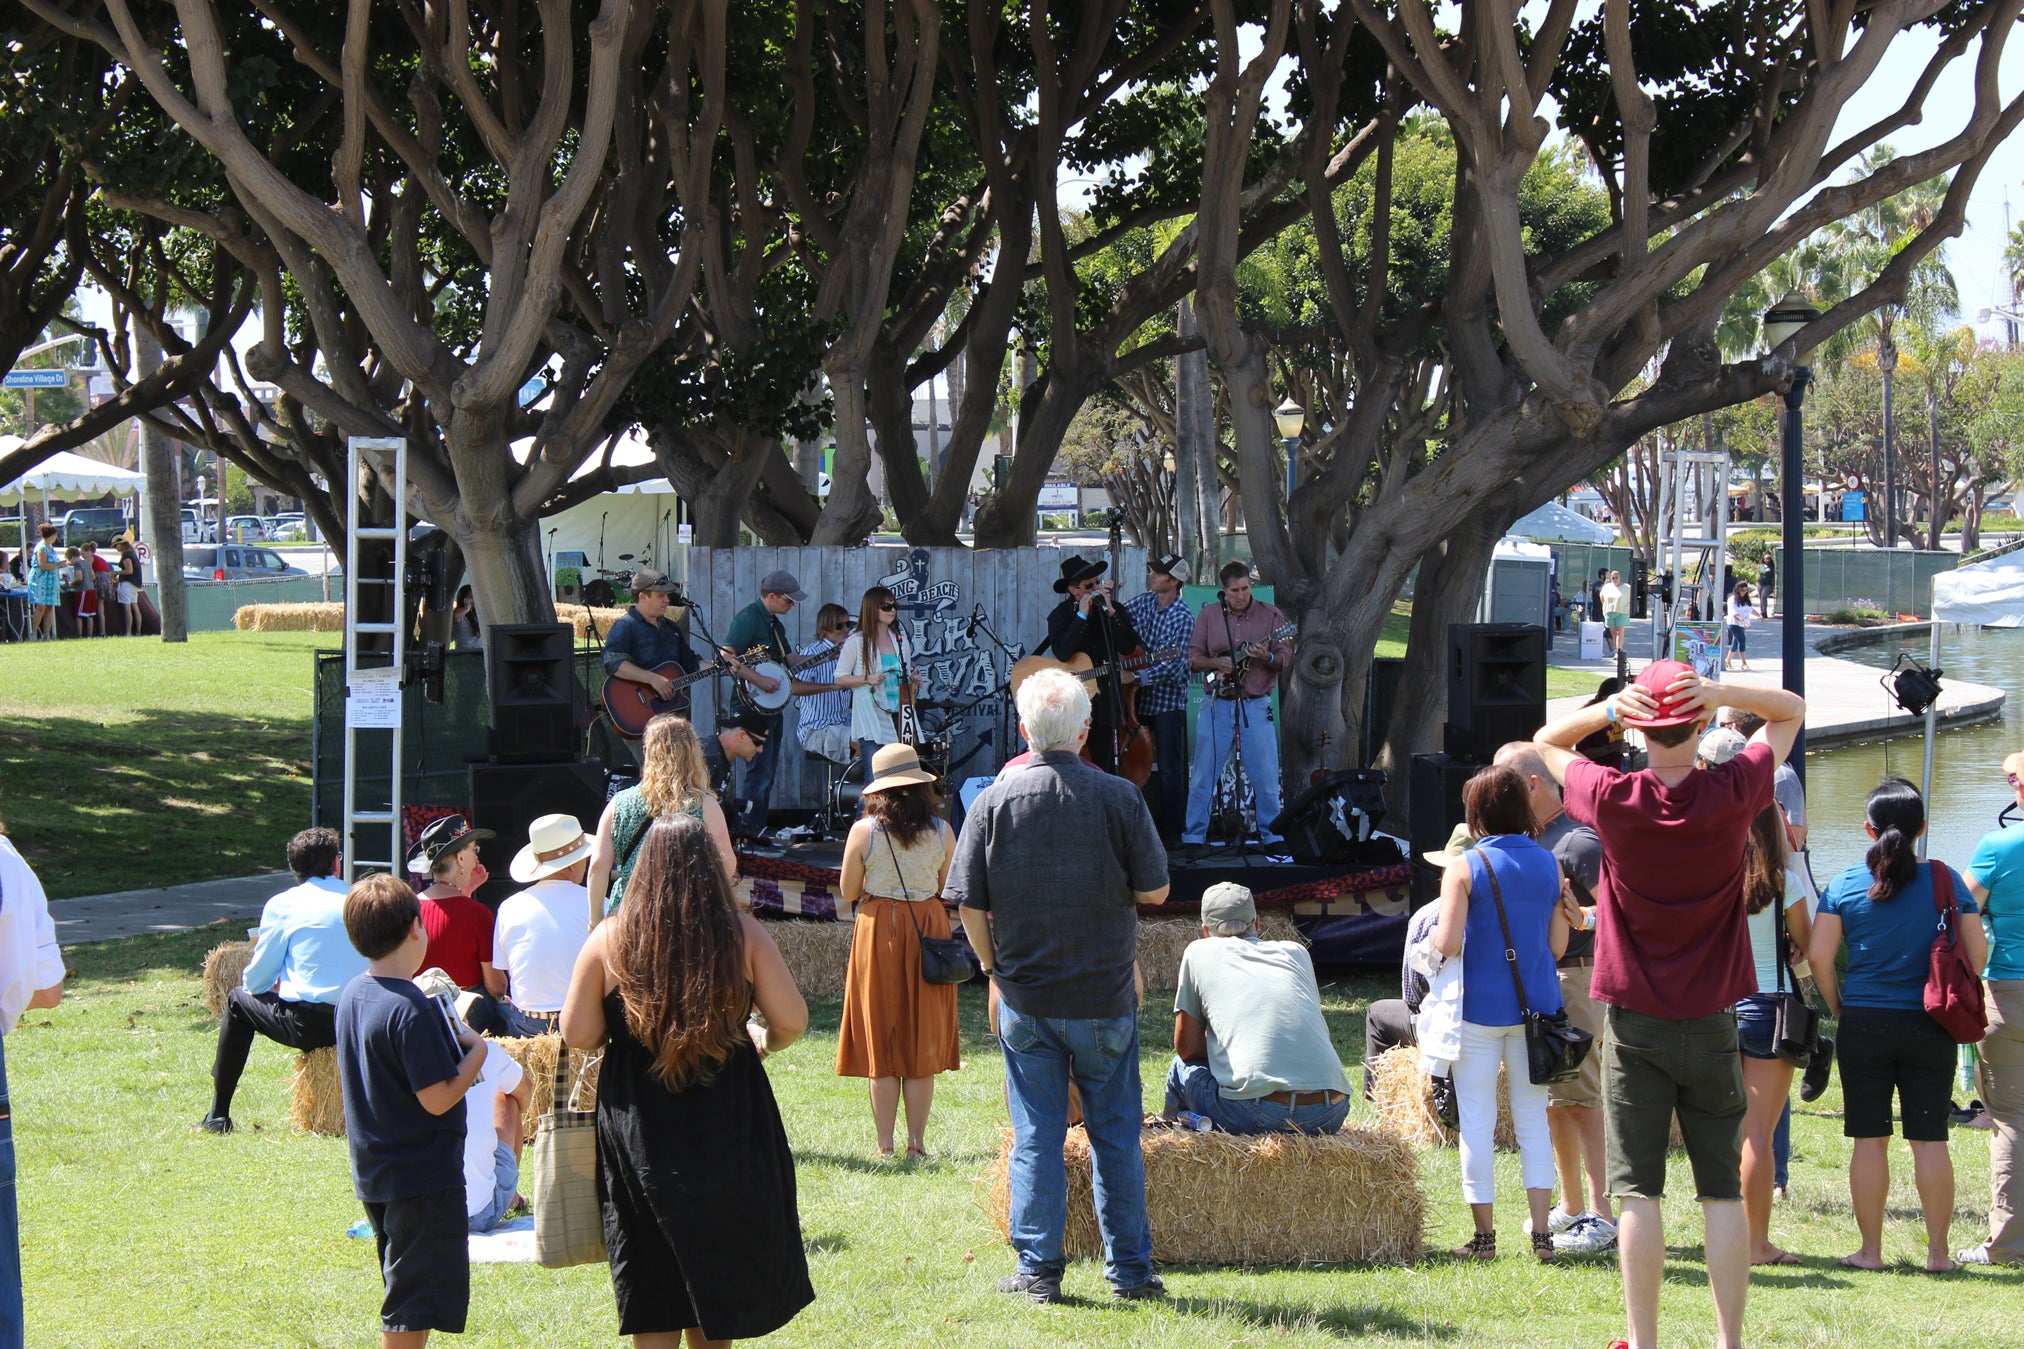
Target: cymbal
x=625, y=557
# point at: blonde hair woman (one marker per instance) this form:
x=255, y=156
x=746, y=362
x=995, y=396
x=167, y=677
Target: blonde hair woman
x=673, y=781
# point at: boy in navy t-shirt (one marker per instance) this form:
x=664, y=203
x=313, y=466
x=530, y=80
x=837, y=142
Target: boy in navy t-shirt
x=404, y=1086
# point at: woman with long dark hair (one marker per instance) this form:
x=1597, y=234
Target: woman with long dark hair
x=898, y=1030
x=869, y=664
x=1888, y=1045
x=1777, y=915
x=466, y=633
x=1506, y=868
x=697, y=1180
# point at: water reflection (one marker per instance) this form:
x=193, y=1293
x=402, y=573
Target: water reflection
x=1968, y=784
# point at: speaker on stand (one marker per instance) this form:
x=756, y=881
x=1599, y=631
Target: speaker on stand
x=537, y=707
x=1496, y=687
x=506, y=798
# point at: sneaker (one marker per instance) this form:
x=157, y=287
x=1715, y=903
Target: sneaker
x=1592, y=1234
x=1974, y=1255
x=216, y=1124
x=1814, y=1082
x=1041, y=1288
x=1151, y=1290
x=1558, y=1220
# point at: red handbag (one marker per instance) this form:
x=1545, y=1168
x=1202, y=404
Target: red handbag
x=1953, y=989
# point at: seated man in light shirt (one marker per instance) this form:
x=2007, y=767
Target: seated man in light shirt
x=1251, y=1047
x=540, y=930
x=302, y=959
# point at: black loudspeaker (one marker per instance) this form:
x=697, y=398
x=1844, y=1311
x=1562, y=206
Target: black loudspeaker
x=1332, y=822
x=1380, y=695
x=1496, y=686
x=506, y=798
x=537, y=712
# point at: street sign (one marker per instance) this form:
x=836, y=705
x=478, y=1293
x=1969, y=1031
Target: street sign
x=37, y=379
x=143, y=552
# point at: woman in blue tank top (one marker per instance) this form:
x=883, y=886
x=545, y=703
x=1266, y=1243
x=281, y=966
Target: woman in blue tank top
x=1504, y=864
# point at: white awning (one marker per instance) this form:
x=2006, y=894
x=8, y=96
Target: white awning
x=1990, y=594
x=68, y=477
x=1555, y=523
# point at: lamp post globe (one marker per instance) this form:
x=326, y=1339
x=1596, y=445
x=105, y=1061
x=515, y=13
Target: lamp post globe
x=1291, y=418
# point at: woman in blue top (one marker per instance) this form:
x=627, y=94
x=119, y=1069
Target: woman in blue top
x=1996, y=878
x=45, y=585
x=1505, y=864
x=1887, y=1044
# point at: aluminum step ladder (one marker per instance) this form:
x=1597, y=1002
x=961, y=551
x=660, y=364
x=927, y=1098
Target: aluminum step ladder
x=373, y=752
x=1700, y=540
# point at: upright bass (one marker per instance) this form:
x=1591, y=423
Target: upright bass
x=1135, y=743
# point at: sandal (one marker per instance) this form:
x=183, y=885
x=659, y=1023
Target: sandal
x=916, y=1154
x=1482, y=1246
x=1542, y=1248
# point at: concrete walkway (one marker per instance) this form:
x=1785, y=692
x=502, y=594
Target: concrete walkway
x=168, y=908
x=1845, y=704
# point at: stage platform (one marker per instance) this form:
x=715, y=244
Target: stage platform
x=1350, y=916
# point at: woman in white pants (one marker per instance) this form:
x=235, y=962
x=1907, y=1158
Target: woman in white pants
x=1507, y=865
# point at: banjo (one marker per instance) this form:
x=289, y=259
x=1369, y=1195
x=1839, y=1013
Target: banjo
x=756, y=698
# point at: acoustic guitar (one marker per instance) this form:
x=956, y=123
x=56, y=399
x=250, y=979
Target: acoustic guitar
x=1086, y=670
x=632, y=704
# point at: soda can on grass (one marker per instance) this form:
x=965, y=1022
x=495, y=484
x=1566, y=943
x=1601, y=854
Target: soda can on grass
x=1188, y=1119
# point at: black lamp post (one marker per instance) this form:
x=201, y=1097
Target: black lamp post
x=1782, y=322
x=1292, y=418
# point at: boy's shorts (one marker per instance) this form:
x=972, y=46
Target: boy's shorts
x=425, y=1260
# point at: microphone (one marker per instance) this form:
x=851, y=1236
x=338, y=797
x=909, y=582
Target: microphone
x=970, y=628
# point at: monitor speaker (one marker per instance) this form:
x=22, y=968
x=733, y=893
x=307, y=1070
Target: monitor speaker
x=1496, y=686
x=537, y=710
x=1434, y=796
x=506, y=798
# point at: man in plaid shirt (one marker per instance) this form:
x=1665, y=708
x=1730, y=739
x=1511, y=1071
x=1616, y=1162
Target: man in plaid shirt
x=1164, y=622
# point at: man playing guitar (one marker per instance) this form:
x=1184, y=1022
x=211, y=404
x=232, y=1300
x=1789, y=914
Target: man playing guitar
x=1237, y=630
x=1088, y=623
x=758, y=625
x=645, y=638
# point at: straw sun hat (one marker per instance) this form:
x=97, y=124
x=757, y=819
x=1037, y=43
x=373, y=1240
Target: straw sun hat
x=896, y=766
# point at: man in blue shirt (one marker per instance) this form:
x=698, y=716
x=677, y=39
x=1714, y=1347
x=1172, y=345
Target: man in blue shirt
x=1164, y=623
x=302, y=960
x=1995, y=877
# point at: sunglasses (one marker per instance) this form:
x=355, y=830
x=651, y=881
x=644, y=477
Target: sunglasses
x=888, y=608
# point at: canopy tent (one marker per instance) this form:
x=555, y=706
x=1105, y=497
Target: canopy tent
x=1555, y=523
x=637, y=519
x=64, y=477
x=1988, y=594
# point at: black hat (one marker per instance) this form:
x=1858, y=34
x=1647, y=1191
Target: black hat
x=439, y=840
x=749, y=722
x=1076, y=570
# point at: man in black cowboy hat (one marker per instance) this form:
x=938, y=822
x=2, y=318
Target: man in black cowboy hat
x=1087, y=623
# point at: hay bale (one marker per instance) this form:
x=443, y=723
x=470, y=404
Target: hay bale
x=817, y=954
x=536, y=1056
x=224, y=969
x=582, y=619
x=1222, y=1199
x=1161, y=942
x=318, y=1103
x=313, y=616
x=1405, y=1103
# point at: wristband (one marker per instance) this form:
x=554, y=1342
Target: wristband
x=1609, y=709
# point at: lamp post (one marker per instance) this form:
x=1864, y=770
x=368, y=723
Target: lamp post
x=1291, y=418
x=1783, y=322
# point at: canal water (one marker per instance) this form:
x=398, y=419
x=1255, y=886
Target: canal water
x=1968, y=784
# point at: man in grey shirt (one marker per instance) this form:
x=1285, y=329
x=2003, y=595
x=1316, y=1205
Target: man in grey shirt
x=1054, y=860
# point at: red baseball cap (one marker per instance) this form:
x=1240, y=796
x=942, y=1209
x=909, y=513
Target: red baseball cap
x=1655, y=679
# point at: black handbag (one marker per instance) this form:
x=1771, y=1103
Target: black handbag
x=944, y=960
x=1797, y=1025
x=1554, y=1046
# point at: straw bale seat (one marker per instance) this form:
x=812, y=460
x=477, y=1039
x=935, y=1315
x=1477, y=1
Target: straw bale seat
x=1224, y=1199
x=1405, y=1103
x=536, y=1056
x=817, y=954
x=224, y=969
x=1161, y=942
x=317, y=1106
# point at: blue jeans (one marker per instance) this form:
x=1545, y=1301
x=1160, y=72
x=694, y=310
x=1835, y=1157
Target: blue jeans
x=10, y=1223
x=524, y=1024
x=505, y=1180
x=1191, y=1086
x=1215, y=730
x=1042, y=1054
x=755, y=788
x=1170, y=761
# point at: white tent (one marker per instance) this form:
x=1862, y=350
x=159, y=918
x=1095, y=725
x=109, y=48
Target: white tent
x=68, y=477
x=1988, y=594
x=1555, y=523
x=637, y=519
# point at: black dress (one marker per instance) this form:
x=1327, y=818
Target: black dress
x=697, y=1189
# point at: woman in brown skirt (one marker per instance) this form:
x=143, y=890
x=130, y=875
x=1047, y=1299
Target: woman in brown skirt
x=898, y=1029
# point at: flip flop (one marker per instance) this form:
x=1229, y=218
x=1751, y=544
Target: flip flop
x=1784, y=1258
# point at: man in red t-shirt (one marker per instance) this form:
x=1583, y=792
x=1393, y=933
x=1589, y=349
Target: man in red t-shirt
x=1672, y=956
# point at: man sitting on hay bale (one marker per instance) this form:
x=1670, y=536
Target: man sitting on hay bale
x=1053, y=863
x=301, y=961
x=1251, y=1048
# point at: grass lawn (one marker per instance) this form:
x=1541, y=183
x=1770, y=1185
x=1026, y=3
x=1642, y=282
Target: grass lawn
x=125, y=764
x=138, y=1230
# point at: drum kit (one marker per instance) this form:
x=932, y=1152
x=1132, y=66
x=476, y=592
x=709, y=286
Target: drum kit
x=613, y=586
x=848, y=792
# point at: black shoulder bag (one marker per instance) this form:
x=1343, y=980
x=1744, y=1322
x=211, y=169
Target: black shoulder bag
x=944, y=960
x=1797, y=1025
x=1554, y=1046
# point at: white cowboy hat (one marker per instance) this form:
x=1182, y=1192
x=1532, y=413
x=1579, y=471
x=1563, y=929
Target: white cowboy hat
x=555, y=843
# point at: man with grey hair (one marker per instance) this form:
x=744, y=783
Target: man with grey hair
x=1251, y=1047
x=1054, y=860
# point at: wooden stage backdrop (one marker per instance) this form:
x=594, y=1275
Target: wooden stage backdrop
x=938, y=590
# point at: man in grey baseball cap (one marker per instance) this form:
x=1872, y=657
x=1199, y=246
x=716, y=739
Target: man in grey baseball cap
x=1251, y=1047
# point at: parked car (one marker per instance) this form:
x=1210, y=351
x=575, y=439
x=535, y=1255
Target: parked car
x=245, y=529
x=288, y=530
x=92, y=524
x=233, y=562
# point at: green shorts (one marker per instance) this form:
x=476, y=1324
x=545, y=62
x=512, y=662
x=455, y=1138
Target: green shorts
x=1652, y=1068
x=1617, y=620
